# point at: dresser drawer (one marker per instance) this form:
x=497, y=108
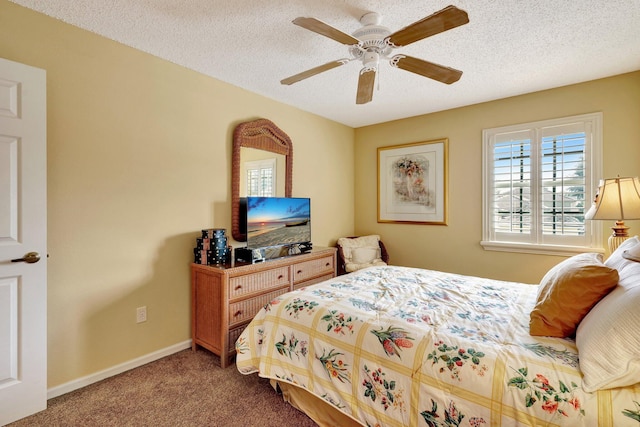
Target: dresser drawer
x=245, y=310
x=313, y=281
x=258, y=282
x=313, y=268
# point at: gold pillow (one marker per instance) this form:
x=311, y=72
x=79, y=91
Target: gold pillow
x=567, y=292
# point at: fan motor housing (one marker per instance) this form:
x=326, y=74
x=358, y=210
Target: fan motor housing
x=372, y=38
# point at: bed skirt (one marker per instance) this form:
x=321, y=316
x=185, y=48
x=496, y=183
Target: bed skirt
x=317, y=409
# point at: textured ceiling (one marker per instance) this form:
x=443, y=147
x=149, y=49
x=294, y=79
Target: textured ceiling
x=508, y=47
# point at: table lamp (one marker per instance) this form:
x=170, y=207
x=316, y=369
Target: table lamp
x=616, y=199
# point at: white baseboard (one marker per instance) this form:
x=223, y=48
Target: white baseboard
x=115, y=370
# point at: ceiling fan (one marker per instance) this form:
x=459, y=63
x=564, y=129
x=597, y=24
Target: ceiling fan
x=373, y=42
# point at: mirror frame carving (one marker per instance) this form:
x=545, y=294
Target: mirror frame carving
x=261, y=134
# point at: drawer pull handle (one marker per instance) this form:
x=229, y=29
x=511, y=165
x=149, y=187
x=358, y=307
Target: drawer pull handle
x=327, y=264
x=238, y=287
x=299, y=271
x=237, y=313
x=280, y=277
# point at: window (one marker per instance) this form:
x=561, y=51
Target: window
x=261, y=178
x=538, y=182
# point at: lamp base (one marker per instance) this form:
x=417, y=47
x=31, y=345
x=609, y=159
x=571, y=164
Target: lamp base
x=620, y=234
x=615, y=241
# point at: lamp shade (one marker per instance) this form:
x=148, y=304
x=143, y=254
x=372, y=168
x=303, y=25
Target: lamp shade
x=616, y=199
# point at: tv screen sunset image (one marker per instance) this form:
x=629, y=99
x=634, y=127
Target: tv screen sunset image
x=275, y=221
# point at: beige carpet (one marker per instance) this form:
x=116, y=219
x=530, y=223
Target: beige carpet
x=185, y=389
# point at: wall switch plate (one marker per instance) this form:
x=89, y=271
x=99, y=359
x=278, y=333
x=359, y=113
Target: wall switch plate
x=141, y=314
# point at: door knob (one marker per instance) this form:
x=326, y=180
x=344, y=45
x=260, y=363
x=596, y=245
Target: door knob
x=29, y=257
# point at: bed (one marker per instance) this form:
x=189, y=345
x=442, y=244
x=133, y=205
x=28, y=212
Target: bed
x=398, y=346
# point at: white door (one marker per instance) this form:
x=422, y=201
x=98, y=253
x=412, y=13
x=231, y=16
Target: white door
x=23, y=230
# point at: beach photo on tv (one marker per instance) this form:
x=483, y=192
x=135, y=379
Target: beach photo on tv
x=275, y=221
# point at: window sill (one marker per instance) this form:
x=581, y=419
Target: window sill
x=528, y=248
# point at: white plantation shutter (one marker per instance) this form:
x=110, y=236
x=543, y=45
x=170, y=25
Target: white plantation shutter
x=511, y=208
x=565, y=193
x=261, y=178
x=538, y=181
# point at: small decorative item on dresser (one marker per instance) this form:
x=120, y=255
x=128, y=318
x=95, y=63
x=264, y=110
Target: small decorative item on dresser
x=212, y=247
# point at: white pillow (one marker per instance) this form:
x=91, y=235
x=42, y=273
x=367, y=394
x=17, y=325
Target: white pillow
x=616, y=260
x=365, y=255
x=361, y=252
x=632, y=254
x=608, y=338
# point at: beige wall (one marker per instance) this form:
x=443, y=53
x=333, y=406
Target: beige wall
x=139, y=154
x=456, y=247
x=138, y=162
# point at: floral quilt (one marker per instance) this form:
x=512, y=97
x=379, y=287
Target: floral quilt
x=397, y=346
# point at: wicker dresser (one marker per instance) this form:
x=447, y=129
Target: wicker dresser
x=225, y=298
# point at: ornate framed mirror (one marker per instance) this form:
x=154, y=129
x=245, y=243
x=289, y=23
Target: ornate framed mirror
x=258, y=142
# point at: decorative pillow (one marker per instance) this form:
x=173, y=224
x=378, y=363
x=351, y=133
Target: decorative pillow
x=608, y=338
x=616, y=260
x=360, y=252
x=632, y=254
x=365, y=255
x=567, y=292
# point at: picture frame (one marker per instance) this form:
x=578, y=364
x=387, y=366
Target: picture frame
x=412, y=183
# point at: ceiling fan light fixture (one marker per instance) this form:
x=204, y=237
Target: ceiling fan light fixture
x=373, y=41
x=371, y=59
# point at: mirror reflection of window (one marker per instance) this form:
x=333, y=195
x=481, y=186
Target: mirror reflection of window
x=261, y=177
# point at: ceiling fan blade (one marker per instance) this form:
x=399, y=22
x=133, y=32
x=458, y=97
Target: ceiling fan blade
x=317, y=26
x=443, y=20
x=313, y=71
x=365, y=85
x=425, y=68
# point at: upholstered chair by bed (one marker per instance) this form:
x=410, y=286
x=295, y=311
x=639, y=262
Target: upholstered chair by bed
x=357, y=252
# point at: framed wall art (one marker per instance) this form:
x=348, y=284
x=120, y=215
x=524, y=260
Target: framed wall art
x=412, y=182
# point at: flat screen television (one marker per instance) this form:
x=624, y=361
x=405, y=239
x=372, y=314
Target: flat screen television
x=277, y=221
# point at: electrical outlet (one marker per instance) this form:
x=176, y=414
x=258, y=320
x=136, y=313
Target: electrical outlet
x=141, y=314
